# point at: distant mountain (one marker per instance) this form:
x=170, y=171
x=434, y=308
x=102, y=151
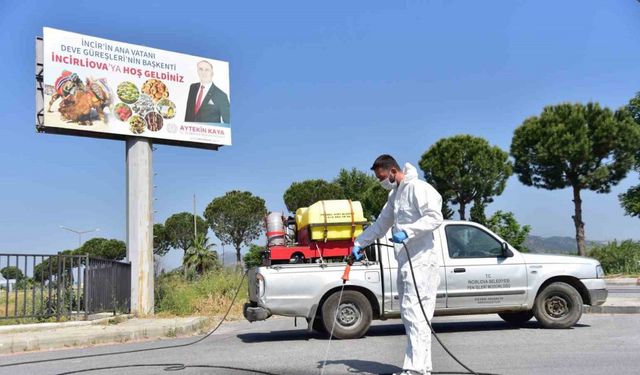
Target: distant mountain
x=556, y=245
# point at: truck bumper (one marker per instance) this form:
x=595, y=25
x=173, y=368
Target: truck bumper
x=253, y=313
x=598, y=296
x=597, y=289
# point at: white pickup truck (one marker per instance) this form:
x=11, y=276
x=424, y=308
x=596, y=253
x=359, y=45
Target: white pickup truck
x=480, y=273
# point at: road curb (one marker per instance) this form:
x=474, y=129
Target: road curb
x=612, y=309
x=35, y=327
x=64, y=338
x=628, y=281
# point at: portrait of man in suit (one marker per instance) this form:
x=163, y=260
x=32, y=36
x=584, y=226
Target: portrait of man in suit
x=206, y=102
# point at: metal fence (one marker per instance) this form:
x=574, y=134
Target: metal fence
x=108, y=286
x=62, y=285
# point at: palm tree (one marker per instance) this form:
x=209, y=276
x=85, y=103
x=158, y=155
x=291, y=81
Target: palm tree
x=200, y=255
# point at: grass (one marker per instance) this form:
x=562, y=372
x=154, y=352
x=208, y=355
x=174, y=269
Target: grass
x=206, y=295
x=622, y=275
x=16, y=306
x=9, y=309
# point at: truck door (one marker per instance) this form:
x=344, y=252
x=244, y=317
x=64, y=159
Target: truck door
x=477, y=274
x=392, y=265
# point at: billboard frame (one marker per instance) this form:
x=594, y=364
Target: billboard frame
x=41, y=128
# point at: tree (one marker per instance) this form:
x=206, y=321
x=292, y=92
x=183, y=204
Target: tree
x=41, y=271
x=161, y=242
x=305, y=193
x=236, y=218
x=97, y=247
x=505, y=225
x=253, y=258
x=200, y=255
x=447, y=212
x=634, y=107
x=578, y=146
x=354, y=182
x=373, y=199
x=630, y=201
x=477, y=211
x=466, y=168
x=179, y=229
x=360, y=186
x=11, y=273
x=104, y=248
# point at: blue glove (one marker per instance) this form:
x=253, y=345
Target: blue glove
x=356, y=251
x=398, y=237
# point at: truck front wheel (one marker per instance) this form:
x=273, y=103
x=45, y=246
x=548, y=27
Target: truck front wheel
x=558, y=305
x=352, y=317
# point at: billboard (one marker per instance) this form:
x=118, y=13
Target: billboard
x=103, y=88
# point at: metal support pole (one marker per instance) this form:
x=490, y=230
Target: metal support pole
x=140, y=223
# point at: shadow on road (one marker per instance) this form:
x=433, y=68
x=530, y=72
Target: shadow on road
x=356, y=366
x=480, y=326
x=392, y=330
x=288, y=335
x=448, y=327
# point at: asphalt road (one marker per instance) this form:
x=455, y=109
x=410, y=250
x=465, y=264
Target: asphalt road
x=599, y=344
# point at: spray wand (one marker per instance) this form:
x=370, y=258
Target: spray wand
x=350, y=259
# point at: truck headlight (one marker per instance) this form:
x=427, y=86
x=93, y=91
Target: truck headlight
x=599, y=272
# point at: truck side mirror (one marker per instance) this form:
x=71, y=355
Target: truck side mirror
x=506, y=252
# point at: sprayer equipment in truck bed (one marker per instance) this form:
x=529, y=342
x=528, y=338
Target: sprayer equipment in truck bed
x=323, y=231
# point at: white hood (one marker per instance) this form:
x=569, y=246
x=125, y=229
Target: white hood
x=410, y=172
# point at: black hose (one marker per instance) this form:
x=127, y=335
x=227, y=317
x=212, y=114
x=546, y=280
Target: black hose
x=182, y=366
x=168, y=367
x=415, y=284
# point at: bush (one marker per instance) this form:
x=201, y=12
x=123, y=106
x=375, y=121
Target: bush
x=253, y=258
x=209, y=294
x=623, y=258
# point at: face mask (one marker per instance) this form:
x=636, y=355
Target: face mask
x=387, y=184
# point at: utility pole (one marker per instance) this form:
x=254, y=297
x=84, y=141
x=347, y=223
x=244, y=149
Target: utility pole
x=140, y=223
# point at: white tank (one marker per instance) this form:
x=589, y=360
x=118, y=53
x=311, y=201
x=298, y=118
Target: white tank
x=275, y=229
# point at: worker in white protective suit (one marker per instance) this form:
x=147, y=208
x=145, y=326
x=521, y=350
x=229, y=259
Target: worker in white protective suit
x=412, y=212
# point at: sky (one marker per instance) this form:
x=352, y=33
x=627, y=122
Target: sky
x=316, y=87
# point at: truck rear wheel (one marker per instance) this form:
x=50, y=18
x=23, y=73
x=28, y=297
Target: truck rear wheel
x=353, y=316
x=518, y=318
x=558, y=305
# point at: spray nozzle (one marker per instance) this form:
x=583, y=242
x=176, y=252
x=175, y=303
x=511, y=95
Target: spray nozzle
x=350, y=259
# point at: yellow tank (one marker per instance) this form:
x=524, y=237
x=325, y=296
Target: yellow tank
x=300, y=213
x=331, y=219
